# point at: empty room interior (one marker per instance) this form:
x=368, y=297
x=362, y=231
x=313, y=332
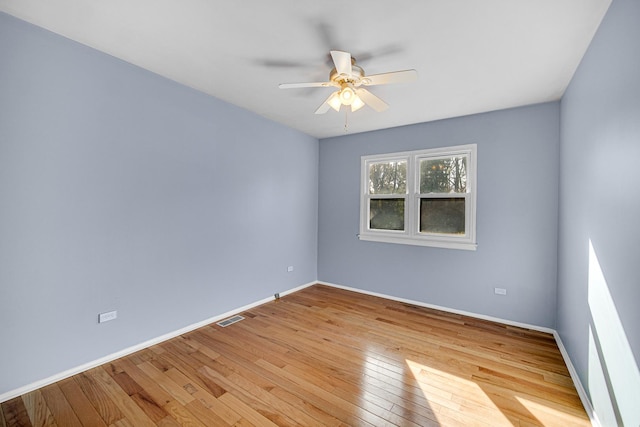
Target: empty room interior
x=418, y=213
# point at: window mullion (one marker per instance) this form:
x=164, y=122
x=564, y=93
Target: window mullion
x=409, y=202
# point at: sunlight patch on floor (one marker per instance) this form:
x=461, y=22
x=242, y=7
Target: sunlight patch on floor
x=548, y=415
x=472, y=399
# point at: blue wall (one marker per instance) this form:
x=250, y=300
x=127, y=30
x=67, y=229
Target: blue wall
x=121, y=190
x=599, y=261
x=517, y=208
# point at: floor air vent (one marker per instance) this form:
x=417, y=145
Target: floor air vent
x=230, y=321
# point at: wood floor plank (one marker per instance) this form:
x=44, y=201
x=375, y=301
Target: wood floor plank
x=99, y=399
x=81, y=405
x=123, y=422
x=158, y=394
x=176, y=392
x=322, y=417
x=59, y=406
x=323, y=356
x=351, y=414
x=145, y=402
x=188, y=364
x=37, y=408
x=206, y=415
x=15, y=413
x=3, y=422
x=254, y=401
x=182, y=415
x=417, y=417
x=168, y=421
x=126, y=405
x=218, y=408
x=246, y=411
x=270, y=400
x=193, y=343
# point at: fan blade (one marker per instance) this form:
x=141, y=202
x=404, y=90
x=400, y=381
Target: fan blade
x=342, y=61
x=387, y=50
x=279, y=63
x=326, y=105
x=371, y=100
x=323, y=108
x=326, y=33
x=299, y=85
x=405, y=76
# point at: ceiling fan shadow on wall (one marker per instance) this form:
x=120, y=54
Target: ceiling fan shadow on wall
x=350, y=80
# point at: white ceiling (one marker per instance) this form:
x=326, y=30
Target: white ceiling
x=471, y=56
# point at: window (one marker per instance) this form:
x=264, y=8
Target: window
x=425, y=197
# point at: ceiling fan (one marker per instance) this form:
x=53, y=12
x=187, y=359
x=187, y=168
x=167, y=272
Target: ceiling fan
x=350, y=80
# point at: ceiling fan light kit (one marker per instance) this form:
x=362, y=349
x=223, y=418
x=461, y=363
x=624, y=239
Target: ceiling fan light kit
x=347, y=94
x=334, y=101
x=350, y=79
x=357, y=104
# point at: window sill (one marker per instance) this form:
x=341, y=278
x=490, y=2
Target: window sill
x=419, y=242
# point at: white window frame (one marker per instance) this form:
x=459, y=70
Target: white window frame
x=411, y=234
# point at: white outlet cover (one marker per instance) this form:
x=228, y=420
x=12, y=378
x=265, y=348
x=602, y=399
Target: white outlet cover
x=290, y=268
x=500, y=291
x=107, y=316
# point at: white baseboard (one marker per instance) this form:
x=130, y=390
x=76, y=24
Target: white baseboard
x=125, y=352
x=447, y=309
x=299, y=288
x=576, y=382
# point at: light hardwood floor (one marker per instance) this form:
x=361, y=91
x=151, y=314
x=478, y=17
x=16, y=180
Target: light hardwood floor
x=323, y=357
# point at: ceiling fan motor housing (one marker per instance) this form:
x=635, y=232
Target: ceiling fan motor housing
x=355, y=78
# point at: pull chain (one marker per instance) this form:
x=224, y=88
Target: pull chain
x=346, y=120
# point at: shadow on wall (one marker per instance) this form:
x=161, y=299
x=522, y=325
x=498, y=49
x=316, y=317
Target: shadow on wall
x=614, y=377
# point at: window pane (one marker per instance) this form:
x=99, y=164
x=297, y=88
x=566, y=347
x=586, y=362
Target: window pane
x=388, y=178
x=444, y=216
x=386, y=214
x=448, y=175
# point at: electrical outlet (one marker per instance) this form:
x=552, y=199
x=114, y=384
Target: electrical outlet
x=500, y=291
x=109, y=315
x=290, y=269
